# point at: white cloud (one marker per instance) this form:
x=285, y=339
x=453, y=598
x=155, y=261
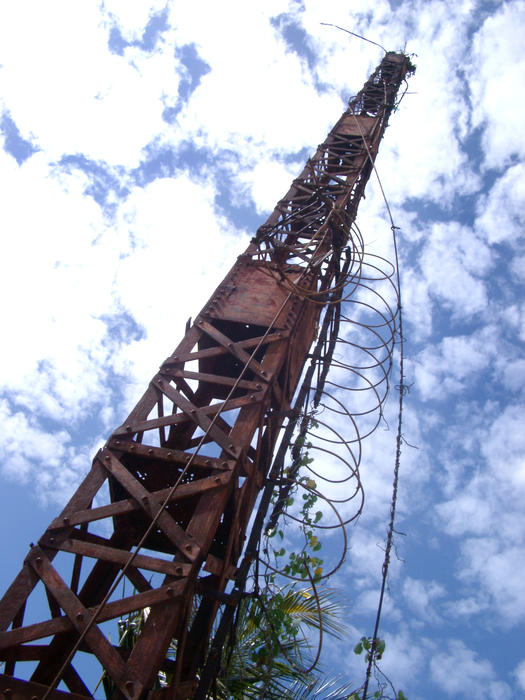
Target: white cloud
x=422, y=597
x=417, y=304
x=496, y=82
x=453, y=263
x=460, y=672
x=484, y=508
x=179, y=238
x=132, y=17
x=269, y=181
x=514, y=375
x=434, y=119
x=406, y=658
x=518, y=268
x=519, y=672
x=513, y=315
x=467, y=607
x=470, y=511
x=504, y=448
x=51, y=242
x=500, y=213
x=497, y=570
x=221, y=113
x=62, y=85
x=449, y=367
x=84, y=273
x=37, y=457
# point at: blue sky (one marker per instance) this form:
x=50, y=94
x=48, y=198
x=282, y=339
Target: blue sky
x=142, y=145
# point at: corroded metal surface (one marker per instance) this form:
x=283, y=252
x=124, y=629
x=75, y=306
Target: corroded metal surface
x=167, y=502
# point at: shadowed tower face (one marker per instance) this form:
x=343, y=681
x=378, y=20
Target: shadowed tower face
x=167, y=502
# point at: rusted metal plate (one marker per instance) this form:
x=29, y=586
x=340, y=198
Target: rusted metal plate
x=357, y=125
x=254, y=297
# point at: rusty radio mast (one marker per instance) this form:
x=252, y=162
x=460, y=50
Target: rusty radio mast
x=176, y=483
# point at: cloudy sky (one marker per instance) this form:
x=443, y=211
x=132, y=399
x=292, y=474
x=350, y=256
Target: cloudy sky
x=142, y=145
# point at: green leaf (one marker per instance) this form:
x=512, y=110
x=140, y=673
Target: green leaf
x=358, y=649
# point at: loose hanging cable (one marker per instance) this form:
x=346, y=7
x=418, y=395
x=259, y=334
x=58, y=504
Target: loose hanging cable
x=328, y=24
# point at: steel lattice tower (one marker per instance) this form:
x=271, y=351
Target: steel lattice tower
x=176, y=483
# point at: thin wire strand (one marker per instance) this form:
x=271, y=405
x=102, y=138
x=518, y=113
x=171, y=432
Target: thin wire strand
x=399, y=439
x=328, y=24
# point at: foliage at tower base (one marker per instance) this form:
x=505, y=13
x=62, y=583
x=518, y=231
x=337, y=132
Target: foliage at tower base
x=269, y=654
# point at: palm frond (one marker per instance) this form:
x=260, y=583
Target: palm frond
x=303, y=606
x=322, y=688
